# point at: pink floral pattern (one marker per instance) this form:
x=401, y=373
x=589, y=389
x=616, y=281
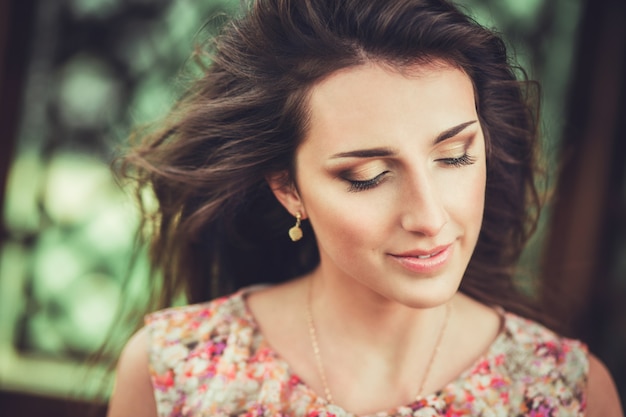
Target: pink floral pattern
x=210, y=360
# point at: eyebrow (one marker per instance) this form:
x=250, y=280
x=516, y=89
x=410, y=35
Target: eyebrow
x=453, y=131
x=384, y=152
x=365, y=153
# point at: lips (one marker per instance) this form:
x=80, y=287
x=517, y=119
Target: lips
x=425, y=261
x=429, y=255
x=424, y=254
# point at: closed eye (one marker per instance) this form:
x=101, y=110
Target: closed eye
x=463, y=160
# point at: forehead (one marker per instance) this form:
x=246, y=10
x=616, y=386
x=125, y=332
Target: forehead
x=374, y=103
x=372, y=78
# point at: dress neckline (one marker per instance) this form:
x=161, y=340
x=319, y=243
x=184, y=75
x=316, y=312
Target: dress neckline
x=433, y=399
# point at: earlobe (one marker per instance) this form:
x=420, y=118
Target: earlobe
x=286, y=193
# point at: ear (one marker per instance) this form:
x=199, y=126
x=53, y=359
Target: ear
x=285, y=191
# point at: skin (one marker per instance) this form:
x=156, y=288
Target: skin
x=393, y=166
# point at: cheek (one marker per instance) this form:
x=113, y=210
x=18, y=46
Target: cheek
x=465, y=195
x=344, y=221
x=474, y=196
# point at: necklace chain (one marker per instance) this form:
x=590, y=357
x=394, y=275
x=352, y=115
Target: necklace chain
x=316, y=351
x=318, y=357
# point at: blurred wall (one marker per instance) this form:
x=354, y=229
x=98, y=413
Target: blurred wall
x=584, y=263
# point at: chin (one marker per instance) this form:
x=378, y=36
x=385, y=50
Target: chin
x=420, y=298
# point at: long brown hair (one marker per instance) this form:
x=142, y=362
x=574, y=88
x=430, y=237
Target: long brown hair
x=218, y=227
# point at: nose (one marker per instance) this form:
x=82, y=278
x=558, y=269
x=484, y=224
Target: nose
x=422, y=209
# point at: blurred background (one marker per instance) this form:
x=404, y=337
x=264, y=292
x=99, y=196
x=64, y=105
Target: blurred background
x=77, y=75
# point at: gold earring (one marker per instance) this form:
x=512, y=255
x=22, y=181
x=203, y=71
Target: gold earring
x=295, y=233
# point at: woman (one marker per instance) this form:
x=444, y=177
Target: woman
x=392, y=143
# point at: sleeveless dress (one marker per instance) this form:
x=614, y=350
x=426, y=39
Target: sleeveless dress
x=211, y=360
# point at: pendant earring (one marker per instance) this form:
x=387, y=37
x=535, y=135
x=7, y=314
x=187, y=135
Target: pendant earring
x=295, y=233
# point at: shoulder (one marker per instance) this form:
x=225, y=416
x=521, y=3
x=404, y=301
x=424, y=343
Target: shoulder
x=132, y=393
x=190, y=317
x=602, y=397
x=196, y=322
x=154, y=365
x=546, y=349
x=174, y=334
x=147, y=369
x=545, y=370
x=193, y=351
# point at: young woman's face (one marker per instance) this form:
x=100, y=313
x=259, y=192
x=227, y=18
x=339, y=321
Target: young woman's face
x=391, y=176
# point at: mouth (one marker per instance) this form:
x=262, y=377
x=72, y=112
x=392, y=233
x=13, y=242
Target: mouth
x=428, y=256
x=423, y=254
x=424, y=261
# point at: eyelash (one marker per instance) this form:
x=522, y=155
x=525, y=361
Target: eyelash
x=356, y=186
x=460, y=161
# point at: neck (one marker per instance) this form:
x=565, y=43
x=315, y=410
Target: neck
x=351, y=313
x=398, y=343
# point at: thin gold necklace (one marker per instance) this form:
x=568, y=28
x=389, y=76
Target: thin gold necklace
x=318, y=357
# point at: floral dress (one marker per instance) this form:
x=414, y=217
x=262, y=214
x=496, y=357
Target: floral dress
x=211, y=360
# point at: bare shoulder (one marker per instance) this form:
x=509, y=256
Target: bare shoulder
x=477, y=319
x=602, y=397
x=269, y=304
x=133, y=394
